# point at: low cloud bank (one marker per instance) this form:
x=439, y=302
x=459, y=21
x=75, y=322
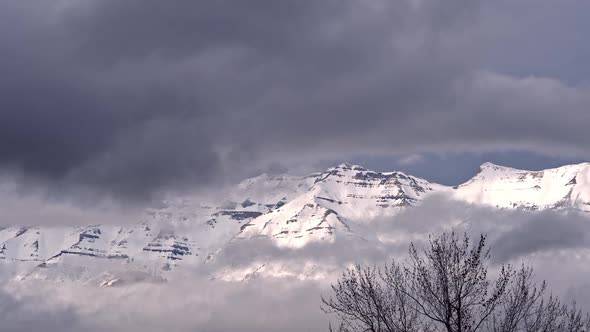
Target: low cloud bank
x=555, y=243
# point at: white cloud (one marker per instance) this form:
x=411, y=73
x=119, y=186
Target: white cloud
x=410, y=159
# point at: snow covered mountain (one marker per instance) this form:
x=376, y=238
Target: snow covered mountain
x=290, y=211
x=338, y=196
x=505, y=187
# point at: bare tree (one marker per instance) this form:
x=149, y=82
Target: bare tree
x=366, y=299
x=518, y=303
x=449, y=283
x=446, y=288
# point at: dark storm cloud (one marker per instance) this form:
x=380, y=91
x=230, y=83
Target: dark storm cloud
x=64, y=123
x=130, y=97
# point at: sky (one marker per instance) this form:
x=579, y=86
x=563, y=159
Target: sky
x=106, y=101
x=127, y=100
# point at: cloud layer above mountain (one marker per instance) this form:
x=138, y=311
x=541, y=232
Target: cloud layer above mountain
x=133, y=97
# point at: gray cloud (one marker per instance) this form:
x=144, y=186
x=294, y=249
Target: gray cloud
x=130, y=98
x=27, y=313
x=209, y=306
x=543, y=231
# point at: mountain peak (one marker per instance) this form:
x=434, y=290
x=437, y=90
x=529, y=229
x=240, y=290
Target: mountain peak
x=489, y=166
x=349, y=167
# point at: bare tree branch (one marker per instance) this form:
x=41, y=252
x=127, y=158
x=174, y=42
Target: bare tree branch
x=446, y=288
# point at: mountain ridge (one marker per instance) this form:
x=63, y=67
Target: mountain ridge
x=291, y=211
